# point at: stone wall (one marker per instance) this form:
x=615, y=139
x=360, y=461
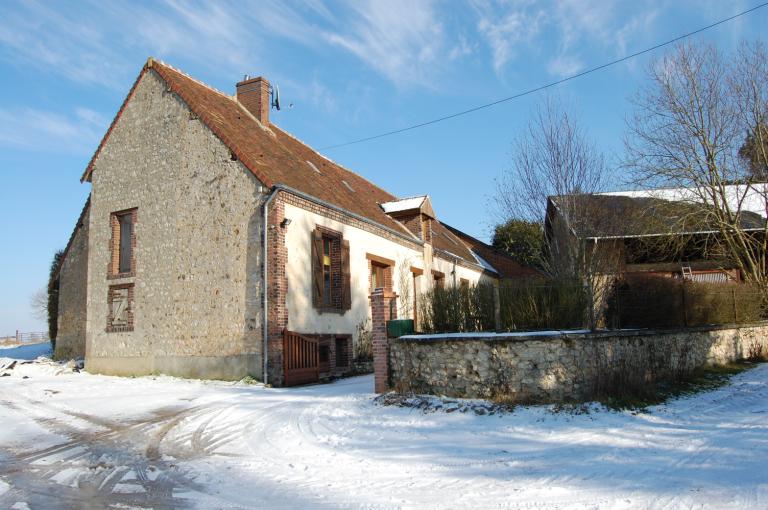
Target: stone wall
x=197, y=281
x=561, y=367
x=73, y=280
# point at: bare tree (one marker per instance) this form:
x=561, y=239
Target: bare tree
x=39, y=303
x=555, y=169
x=552, y=156
x=690, y=125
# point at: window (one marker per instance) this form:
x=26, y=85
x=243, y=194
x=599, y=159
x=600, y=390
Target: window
x=330, y=271
x=377, y=275
x=120, y=306
x=439, y=279
x=342, y=352
x=327, y=271
x=464, y=284
x=379, y=272
x=123, y=243
x=324, y=355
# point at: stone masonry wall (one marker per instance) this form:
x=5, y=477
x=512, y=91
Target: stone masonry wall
x=197, y=283
x=73, y=280
x=558, y=368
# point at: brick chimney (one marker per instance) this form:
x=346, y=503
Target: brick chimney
x=253, y=93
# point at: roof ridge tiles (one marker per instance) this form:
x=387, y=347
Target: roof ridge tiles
x=151, y=61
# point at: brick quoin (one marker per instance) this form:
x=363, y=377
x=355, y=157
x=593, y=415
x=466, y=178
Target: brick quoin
x=277, y=254
x=381, y=312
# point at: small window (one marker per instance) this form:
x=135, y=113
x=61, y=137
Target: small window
x=120, y=306
x=377, y=276
x=439, y=280
x=464, y=284
x=342, y=352
x=123, y=243
x=379, y=272
x=323, y=353
x=126, y=235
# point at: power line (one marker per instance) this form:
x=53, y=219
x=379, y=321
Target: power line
x=548, y=85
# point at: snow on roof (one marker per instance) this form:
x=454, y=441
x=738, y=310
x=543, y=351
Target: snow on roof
x=405, y=204
x=753, y=198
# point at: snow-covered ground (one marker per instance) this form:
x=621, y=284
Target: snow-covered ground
x=74, y=440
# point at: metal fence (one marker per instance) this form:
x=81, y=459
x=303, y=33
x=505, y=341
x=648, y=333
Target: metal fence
x=36, y=337
x=684, y=306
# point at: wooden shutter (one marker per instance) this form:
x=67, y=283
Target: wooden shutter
x=317, y=269
x=346, y=286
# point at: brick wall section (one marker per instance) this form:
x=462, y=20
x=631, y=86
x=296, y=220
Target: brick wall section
x=381, y=312
x=561, y=368
x=412, y=222
x=335, y=215
x=277, y=289
x=254, y=95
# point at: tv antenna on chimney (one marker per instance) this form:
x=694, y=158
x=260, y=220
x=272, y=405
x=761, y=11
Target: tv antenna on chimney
x=274, y=91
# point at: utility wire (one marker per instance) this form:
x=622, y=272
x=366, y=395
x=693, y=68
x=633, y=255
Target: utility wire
x=548, y=85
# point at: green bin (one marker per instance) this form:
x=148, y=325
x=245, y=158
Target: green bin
x=399, y=327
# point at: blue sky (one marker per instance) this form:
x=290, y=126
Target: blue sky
x=350, y=68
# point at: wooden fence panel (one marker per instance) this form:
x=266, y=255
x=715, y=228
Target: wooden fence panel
x=300, y=359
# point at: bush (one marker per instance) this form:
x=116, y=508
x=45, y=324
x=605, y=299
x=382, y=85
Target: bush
x=53, y=298
x=524, y=305
x=656, y=301
x=457, y=309
x=531, y=305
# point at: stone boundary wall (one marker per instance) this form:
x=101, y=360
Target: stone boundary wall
x=561, y=366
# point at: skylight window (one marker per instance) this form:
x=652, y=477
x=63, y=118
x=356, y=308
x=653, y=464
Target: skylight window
x=348, y=186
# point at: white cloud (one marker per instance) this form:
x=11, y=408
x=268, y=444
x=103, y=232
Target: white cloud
x=564, y=65
x=565, y=29
x=507, y=26
x=462, y=48
x=401, y=39
x=33, y=129
x=59, y=41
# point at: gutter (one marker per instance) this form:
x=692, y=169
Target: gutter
x=265, y=331
x=637, y=236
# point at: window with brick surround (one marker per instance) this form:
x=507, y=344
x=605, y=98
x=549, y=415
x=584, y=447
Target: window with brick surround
x=379, y=272
x=439, y=279
x=330, y=270
x=120, y=308
x=123, y=257
x=342, y=352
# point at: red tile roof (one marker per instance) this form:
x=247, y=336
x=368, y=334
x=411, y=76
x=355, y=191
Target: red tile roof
x=275, y=157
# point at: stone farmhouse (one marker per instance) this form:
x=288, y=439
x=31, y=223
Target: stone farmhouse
x=216, y=245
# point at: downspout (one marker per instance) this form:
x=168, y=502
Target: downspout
x=265, y=331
